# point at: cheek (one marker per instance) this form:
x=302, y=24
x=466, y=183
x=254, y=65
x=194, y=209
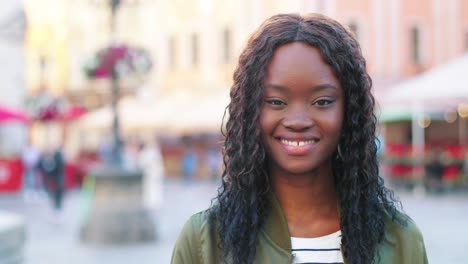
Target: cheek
x=334, y=124
x=265, y=122
x=267, y=126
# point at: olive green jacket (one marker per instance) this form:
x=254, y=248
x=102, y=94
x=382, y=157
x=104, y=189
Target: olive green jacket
x=197, y=243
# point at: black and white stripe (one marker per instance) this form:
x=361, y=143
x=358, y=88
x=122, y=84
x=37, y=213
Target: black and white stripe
x=317, y=250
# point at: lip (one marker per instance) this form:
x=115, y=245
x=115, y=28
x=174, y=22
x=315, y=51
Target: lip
x=297, y=150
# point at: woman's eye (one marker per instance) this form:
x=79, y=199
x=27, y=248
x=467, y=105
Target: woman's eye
x=323, y=102
x=274, y=102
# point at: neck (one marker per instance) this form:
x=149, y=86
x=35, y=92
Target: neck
x=306, y=197
x=309, y=191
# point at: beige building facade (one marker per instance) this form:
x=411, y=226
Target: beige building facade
x=199, y=41
x=195, y=43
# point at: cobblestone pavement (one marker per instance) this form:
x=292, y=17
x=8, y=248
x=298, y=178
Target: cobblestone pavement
x=442, y=219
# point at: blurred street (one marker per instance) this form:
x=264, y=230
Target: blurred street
x=52, y=241
x=442, y=220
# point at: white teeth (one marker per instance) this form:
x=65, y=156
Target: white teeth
x=297, y=143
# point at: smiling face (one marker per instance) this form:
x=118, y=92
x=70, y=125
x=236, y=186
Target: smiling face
x=302, y=112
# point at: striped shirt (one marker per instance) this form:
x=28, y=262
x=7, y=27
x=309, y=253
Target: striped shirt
x=317, y=250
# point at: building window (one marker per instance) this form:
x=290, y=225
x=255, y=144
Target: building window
x=353, y=27
x=172, y=52
x=195, y=49
x=416, y=45
x=226, y=45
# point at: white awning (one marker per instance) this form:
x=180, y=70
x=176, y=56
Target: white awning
x=440, y=88
x=180, y=113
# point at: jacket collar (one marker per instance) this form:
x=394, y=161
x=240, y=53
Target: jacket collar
x=276, y=226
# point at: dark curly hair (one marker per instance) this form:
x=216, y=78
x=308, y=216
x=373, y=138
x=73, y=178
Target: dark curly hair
x=242, y=203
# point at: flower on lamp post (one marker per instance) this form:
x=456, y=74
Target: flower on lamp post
x=118, y=61
x=44, y=107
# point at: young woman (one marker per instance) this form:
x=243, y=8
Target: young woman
x=301, y=181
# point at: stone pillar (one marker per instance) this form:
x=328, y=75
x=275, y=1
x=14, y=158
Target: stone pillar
x=116, y=213
x=12, y=238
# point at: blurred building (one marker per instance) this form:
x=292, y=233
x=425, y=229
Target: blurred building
x=12, y=28
x=201, y=39
x=195, y=43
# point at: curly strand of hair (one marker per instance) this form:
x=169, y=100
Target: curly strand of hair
x=361, y=199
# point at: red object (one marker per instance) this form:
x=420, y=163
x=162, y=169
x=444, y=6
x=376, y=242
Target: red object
x=455, y=151
x=12, y=171
x=49, y=113
x=110, y=56
x=397, y=150
x=101, y=73
x=53, y=113
x=450, y=173
x=134, y=60
x=85, y=162
x=11, y=175
x=9, y=115
x=73, y=113
x=70, y=176
x=400, y=170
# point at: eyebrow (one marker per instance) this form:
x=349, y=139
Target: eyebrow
x=313, y=88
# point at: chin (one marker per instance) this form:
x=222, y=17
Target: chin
x=299, y=169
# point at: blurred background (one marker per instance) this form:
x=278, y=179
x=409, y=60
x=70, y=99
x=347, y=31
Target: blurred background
x=140, y=86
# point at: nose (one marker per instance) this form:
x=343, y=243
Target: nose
x=298, y=119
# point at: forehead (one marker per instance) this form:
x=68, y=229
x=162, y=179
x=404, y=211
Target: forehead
x=299, y=62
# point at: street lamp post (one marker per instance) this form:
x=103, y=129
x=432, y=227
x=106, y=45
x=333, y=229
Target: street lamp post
x=117, y=142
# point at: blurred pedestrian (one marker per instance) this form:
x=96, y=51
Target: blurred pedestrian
x=105, y=150
x=213, y=161
x=150, y=161
x=52, y=165
x=189, y=163
x=434, y=171
x=31, y=178
x=130, y=154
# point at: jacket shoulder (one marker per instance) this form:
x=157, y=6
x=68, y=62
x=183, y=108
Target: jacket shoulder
x=190, y=246
x=403, y=241
x=402, y=231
